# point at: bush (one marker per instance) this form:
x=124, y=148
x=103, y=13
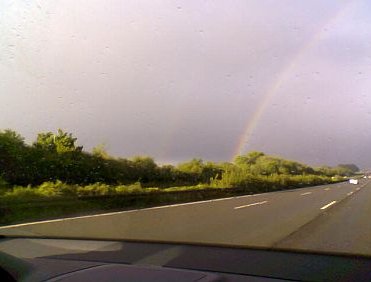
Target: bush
x=96, y=189
x=4, y=186
x=242, y=178
x=133, y=188
x=57, y=188
x=22, y=193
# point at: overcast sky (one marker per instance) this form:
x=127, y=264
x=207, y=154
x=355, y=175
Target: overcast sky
x=183, y=79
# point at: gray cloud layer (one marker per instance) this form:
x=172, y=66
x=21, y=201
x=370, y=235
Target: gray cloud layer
x=182, y=79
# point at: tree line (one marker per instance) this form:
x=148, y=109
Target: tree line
x=57, y=157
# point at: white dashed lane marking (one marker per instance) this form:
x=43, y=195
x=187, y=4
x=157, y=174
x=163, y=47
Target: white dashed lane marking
x=249, y=205
x=328, y=205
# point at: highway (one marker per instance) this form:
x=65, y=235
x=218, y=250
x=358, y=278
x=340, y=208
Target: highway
x=331, y=218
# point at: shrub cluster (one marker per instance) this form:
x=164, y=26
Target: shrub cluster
x=54, y=166
x=60, y=189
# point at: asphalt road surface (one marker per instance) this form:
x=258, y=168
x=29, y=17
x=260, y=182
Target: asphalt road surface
x=330, y=218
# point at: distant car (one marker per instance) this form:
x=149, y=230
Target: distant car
x=353, y=181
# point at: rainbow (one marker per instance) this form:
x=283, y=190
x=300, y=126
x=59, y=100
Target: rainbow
x=280, y=80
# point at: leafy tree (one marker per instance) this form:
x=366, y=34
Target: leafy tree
x=100, y=151
x=144, y=163
x=11, y=139
x=61, y=142
x=45, y=141
x=192, y=166
x=12, y=157
x=350, y=167
x=267, y=165
x=326, y=170
x=145, y=167
x=198, y=171
x=248, y=159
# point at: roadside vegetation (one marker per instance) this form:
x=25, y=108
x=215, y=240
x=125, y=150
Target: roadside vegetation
x=55, y=168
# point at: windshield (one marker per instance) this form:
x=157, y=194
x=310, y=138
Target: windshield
x=240, y=123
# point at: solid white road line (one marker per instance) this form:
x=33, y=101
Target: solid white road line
x=350, y=193
x=122, y=212
x=358, y=189
x=249, y=205
x=307, y=193
x=328, y=205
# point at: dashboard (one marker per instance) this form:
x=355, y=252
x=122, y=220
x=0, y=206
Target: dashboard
x=54, y=259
